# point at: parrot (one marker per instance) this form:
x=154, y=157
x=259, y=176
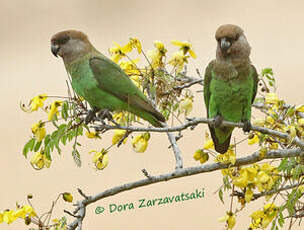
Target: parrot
x=99, y=80
x=230, y=85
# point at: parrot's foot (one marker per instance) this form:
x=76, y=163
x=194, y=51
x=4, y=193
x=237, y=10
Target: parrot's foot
x=90, y=116
x=247, y=126
x=106, y=114
x=217, y=122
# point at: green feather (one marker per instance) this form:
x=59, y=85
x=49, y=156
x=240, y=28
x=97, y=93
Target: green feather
x=104, y=84
x=229, y=91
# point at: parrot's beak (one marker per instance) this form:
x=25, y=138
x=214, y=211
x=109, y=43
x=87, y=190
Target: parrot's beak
x=225, y=44
x=55, y=49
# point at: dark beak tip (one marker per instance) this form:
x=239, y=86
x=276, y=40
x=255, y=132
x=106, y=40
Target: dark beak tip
x=55, y=49
x=225, y=44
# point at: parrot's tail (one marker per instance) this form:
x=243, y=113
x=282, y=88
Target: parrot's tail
x=219, y=147
x=154, y=117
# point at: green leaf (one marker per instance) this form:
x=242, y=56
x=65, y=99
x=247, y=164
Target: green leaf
x=227, y=184
x=37, y=146
x=29, y=146
x=64, y=110
x=267, y=71
x=76, y=157
x=47, y=153
x=220, y=193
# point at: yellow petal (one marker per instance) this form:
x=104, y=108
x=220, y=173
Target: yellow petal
x=209, y=144
x=139, y=143
x=102, y=163
x=204, y=158
x=271, y=98
x=118, y=135
x=67, y=197
x=253, y=140
x=248, y=195
x=186, y=105
x=177, y=43
x=192, y=53
x=300, y=108
x=198, y=154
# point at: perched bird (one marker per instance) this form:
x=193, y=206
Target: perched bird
x=100, y=81
x=230, y=85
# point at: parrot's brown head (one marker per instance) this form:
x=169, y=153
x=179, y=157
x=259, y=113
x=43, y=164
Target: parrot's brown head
x=232, y=43
x=70, y=44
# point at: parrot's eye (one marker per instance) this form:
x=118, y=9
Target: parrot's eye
x=237, y=37
x=63, y=40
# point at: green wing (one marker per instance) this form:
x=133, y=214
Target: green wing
x=112, y=79
x=207, y=79
x=256, y=80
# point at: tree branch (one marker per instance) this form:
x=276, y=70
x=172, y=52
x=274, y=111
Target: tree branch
x=196, y=121
x=176, y=150
x=255, y=157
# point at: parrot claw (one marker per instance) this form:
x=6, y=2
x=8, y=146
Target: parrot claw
x=247, y=126
x=217, y=122
x=90, y=116
x=106, y=114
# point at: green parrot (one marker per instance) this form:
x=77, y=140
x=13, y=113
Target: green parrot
x=230, y=85
x=100, y=81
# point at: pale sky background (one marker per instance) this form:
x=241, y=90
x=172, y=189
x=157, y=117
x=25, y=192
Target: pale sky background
x=274, y=29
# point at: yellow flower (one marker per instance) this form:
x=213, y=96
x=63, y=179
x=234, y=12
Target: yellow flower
x=301, y=122
x=228, y=172
x=208, y=144
x=242, y=180
x=119, y=118
x=54, y=109
x=39, y=131
x=135, y=43
x=201, y=156
x=198, y=154
x=229, y=218
x=157, y=55
x=130, y=67
x=246, y=177
x=185, y=47
x=228, y=157
x=118, y=135
x=186, y=105
x=178, y=60
x=119, y=52
x=261, y=219
x=24, y=211
x=271, y=98
x=92, y=135
x=300, y=108
x=270, y=120
x=140, y=142
x=8, y=216
x=67, y=197
x=39, y=160
x=253, y=140
x=248, y=195
x=1, y=218
x=100, y=159
x=37, y=102
x=264, y=181
x=160, y=47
